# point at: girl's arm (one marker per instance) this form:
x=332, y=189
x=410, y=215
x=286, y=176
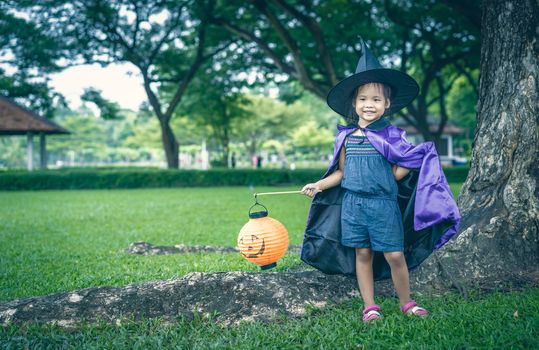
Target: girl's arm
x=331, y=181
x=399, y=172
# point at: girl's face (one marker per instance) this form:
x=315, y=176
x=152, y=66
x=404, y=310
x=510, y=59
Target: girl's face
x=370, y=103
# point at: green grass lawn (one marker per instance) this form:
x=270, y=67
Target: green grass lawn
x=53, y=241
x=498, y=321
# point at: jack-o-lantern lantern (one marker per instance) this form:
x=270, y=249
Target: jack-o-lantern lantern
x=263, y=240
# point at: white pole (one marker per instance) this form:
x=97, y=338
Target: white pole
x=43, y=151
x=282, y=192
x=204, y=156
x=30, y=151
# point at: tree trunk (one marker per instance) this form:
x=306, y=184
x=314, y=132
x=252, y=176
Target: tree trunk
x=499, y=201
x=252, y=148
x=224, y=159
x=170, y=145
x=226, y=147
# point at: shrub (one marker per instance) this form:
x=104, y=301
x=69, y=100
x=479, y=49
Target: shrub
x=103, y=178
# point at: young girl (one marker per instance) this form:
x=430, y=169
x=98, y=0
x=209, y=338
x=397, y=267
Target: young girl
x=361, y=187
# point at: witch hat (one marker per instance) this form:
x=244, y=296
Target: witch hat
x=404, y=88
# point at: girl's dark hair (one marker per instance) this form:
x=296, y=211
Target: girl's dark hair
x=351, y=116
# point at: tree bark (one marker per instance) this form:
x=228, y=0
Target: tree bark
x=499, y=202
x=170, y=145
x=230, y=296
x=226, y=152
x=125, y=43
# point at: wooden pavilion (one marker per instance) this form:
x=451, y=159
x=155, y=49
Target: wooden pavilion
x=18, y=120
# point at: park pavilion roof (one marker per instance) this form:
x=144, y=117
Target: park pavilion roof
x=18, y=120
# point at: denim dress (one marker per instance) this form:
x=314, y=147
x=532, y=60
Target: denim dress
x=370, y=215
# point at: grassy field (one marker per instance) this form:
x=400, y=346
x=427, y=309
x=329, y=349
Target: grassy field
x=55, y=241
x=52, y=241
x=479, y=323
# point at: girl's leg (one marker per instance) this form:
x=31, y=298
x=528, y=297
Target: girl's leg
x=364, y=275
x=399, y=274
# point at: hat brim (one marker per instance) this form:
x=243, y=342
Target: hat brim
x=404, y=89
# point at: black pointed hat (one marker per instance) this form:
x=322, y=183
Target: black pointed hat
x=404, y=88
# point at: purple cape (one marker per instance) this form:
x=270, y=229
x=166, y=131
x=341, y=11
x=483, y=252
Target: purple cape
x=429, y=212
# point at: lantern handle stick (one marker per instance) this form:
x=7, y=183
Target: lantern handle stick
x=283, y=192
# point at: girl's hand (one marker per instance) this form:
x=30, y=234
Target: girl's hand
x=311, y=189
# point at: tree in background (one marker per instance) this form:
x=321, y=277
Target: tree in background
x=316, y=44
x=167, y=41
x=142, y=135
x=216, y=112
x=461, y=104
x=310, y=138
x=312, y=43
x=88, y=144
x=28, y=52
x=214, y=102
x=439, y=46
x=97, y=141
x=268, y=119
x=108, y=110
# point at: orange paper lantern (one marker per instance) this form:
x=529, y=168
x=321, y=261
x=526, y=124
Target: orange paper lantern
x=263, y=240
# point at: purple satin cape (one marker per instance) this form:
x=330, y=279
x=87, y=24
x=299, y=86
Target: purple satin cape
x=429, y=211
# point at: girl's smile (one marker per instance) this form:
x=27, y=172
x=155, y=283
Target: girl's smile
x=370, y=103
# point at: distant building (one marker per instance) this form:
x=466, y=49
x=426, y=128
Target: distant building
x=18, y=120
x=445, y=148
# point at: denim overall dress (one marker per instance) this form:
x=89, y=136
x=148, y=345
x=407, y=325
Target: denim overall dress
x=370, y=214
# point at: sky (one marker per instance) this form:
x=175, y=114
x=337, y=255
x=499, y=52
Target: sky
x=114, y=80
x=118, y=82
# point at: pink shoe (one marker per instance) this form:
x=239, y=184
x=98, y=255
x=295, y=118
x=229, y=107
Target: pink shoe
x=371, y=313
x=411, y=308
